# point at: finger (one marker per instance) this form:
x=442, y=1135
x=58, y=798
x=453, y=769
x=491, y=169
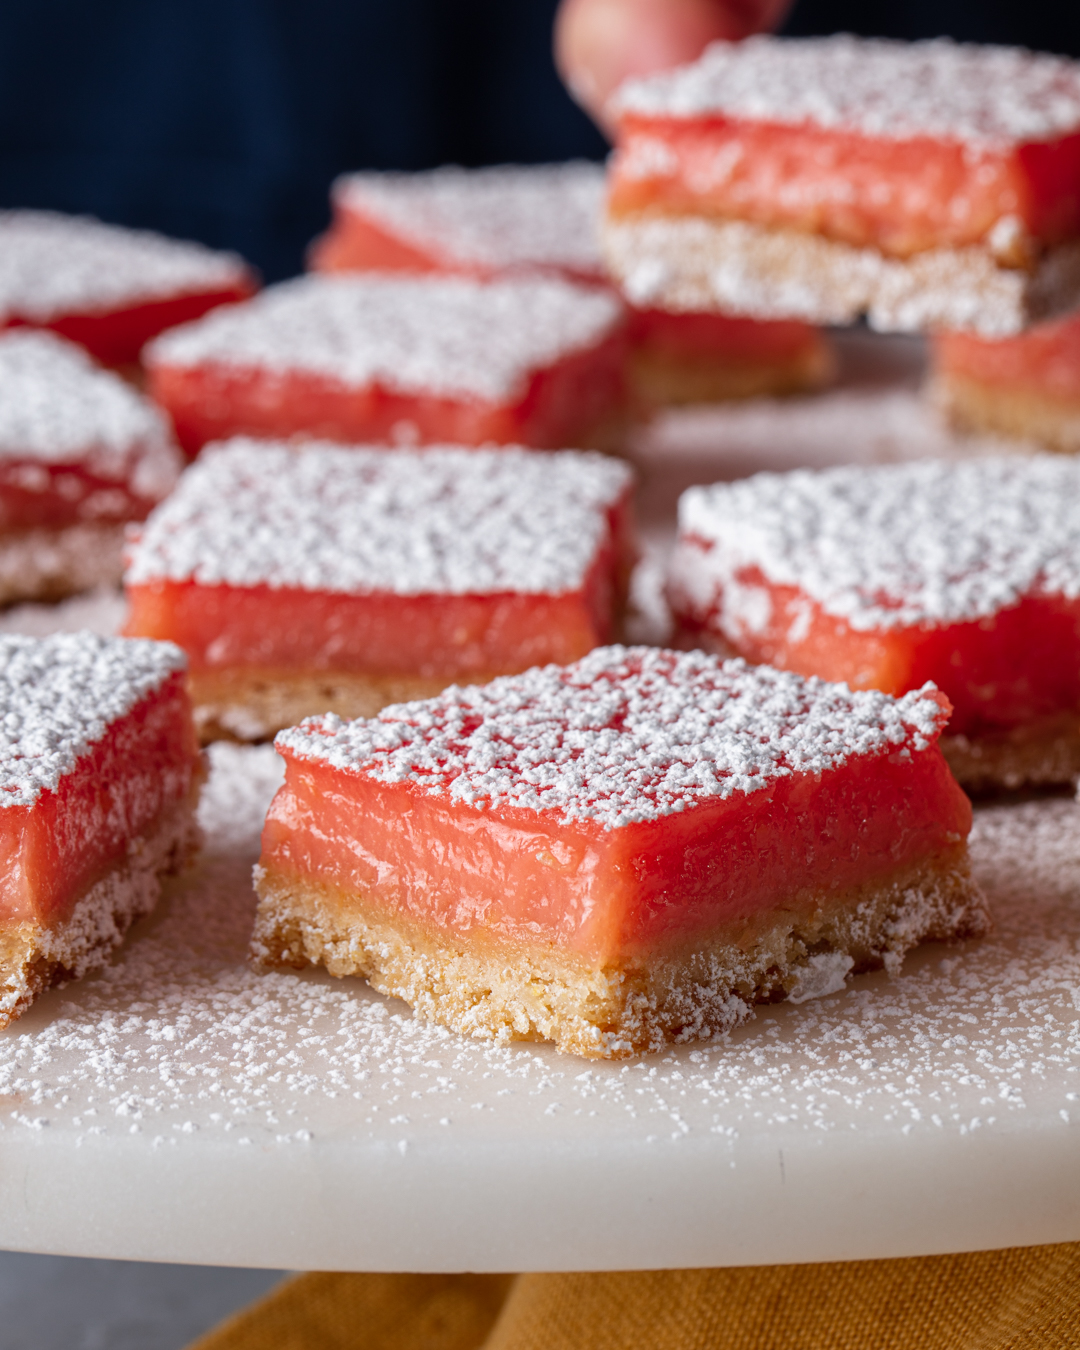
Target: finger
x=600, y=43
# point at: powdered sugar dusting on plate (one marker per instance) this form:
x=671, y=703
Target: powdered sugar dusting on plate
x=442, y=520
x=993, y=97
x=626, y=734
x=99, y=611
x=448, y=336
x=888, y=546
x=178, y=1041
x=59, y=695
x=500, y=218
x=52, y=265
x=58, y=407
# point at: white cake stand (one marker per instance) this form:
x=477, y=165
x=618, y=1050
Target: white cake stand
x=179, y=1107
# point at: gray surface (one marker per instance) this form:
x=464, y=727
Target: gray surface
x=66, y=1303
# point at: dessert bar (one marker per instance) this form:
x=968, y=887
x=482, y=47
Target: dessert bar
x=531, y=361
x=100, y=774
x=81, y=453
x=967, y=574
x=302, y=579
x=546, y=218
x=921, y=184
x=107, y=288
x=1026, y=386
x=476, y=222
x=624, y=852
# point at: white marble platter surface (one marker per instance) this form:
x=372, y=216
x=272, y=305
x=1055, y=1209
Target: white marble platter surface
x=180, y=1107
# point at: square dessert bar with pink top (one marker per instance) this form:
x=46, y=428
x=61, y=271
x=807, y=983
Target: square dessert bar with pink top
x=312, y=577
x=404, y=359
x=482, y=223
x=100, y=773
x=81, y=454
x=628, y=851
x=108, y=288
x=1026, y=386
x=964, y=573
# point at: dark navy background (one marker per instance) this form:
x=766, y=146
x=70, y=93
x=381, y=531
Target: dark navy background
x=225, y=120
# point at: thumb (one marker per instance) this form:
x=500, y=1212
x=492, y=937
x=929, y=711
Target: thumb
x=600, y=43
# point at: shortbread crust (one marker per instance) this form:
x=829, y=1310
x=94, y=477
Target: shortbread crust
x=1040, y=753
x=510, y=991
x=694, y=263
x=974, y=406
x=53, y=564
x=664, y=380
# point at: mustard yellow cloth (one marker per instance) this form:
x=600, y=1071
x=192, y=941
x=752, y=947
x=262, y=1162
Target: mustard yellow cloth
x=1026, y=1298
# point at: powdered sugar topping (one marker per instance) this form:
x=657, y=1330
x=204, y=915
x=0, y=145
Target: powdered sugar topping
x=52, y=265
x=888, y=546
x=988, y=96
x=59, y=695
x=627, y=734
x=443, y=520
x=495, y=219
x=58, y=407
x=447, y=336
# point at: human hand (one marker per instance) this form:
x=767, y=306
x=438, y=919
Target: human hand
x=600, y=43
